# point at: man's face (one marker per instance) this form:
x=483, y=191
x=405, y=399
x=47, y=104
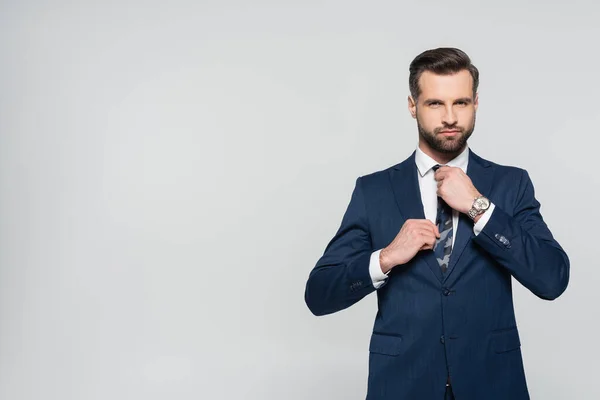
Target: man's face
x=445, y=110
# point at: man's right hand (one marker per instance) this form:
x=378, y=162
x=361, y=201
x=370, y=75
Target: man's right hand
x=414, y=236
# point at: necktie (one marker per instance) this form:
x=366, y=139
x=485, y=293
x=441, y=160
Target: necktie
x=443, y=245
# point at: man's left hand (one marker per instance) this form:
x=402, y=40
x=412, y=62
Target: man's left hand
x=456, y=188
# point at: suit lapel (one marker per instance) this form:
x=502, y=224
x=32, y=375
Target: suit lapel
x=481, y=176
x=405, y=185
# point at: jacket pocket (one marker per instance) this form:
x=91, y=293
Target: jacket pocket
x=390, y=345
x=505, y=340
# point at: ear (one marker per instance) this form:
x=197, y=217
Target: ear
x=476, y=101
x=412, y=107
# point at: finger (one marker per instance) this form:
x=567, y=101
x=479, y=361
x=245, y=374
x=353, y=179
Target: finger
x=427, y=236
x=428, y=226
x=434, y=228
x=429, y=245
x=432, y=241
x=441, y=173
x=427, y=230
x=429, y=242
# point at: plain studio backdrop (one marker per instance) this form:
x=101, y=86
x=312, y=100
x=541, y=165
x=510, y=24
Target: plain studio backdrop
x=170, y=172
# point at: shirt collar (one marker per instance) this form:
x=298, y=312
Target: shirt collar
x=425, y=163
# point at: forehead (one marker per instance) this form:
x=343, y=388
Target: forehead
x=456, y=85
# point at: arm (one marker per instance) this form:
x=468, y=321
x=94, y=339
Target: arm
x=524, y=245
x=341, y=276
x=379, y=278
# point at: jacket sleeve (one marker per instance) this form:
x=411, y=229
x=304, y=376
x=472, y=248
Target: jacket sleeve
x=341, y=276
x=523, y=244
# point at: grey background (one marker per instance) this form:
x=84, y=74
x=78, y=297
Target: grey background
x=170, y=172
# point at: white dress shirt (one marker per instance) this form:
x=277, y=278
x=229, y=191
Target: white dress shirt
x=428, y=188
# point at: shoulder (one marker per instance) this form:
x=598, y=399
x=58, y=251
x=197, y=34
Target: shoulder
x=375, y=181
x=508, y=172
x=377, y=175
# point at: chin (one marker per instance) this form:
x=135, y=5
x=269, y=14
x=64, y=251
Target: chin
x=452, y=149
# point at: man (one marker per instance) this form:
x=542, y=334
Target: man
x=445, y=326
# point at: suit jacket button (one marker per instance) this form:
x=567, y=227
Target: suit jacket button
x=446, y=292
x=442, y=339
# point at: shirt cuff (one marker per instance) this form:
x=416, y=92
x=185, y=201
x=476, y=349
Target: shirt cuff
x=377, y=276
x=485, y=217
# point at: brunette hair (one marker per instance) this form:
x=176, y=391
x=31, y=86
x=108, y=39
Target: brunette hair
x=441, y=61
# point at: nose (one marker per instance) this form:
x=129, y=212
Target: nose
x=449, y=117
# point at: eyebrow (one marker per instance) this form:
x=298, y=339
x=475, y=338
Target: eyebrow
x=467, y=100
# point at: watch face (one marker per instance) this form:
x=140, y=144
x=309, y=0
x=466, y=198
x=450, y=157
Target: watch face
x=482, y=203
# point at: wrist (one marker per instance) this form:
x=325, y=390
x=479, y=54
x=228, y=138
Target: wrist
x=471, y=201
x=384, y=263
x=480, y=205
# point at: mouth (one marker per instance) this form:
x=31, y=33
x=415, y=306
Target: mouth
x=450, y=133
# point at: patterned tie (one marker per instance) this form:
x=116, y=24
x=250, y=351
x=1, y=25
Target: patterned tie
x=443, y=245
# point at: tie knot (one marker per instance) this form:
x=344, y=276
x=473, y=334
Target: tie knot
x=436, y=167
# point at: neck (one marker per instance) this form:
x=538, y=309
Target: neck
x=441, y=158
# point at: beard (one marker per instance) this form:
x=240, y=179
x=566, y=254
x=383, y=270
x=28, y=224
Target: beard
x=443, y=144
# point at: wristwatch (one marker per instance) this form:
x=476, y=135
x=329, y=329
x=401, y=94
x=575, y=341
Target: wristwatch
x=480, y=205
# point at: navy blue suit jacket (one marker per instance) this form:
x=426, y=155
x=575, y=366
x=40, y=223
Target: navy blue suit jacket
x=430, y=326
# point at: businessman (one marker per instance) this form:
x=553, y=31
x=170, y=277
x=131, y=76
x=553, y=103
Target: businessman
x=438, y=238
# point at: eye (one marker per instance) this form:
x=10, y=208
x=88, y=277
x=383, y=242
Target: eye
x=461, y=103
x=434, y=103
